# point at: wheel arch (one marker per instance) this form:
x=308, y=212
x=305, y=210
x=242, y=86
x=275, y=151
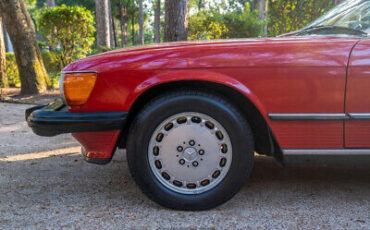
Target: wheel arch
x=265, y=142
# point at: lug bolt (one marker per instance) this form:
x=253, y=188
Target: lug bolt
x=179, y=148
x=195, y=163
x=182, y=161
x=201, y=152
x=192, y=142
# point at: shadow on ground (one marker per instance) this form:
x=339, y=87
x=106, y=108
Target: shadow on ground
x=44, y=183
x=64, y=191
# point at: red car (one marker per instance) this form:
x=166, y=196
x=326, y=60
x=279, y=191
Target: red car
x=192, y=114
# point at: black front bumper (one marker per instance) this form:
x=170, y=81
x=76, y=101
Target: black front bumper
x=54, y=119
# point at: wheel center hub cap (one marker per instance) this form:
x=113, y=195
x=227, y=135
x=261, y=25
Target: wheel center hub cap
x=190, y=154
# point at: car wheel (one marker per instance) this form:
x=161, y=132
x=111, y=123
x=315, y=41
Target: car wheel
x=190, y=150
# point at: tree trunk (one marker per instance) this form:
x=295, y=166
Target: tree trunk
x=102, y=23
x=123, y=11
x=262, y=7
x=50, y=3
x=3, y=77
x=111, y=32
x=6, y=40
x=34, y=78
x=114, y=33
x=176, y=20
x=200, y=5
x=336, y=2
x=141, y=23
x=157, y=21
x=133, y=29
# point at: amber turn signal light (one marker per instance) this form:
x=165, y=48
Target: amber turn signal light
x=77, y=87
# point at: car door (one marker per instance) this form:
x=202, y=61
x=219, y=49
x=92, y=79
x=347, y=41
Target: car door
x=357, y=128
x=305, y=93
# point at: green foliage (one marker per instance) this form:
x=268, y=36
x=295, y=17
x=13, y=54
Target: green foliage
x=51, y=62
x=53, y=66
x=54, y=79
x=206, y=25
x=88, y=4
x=12, y=70
x=70, y=29
x=42, y=45
x=290, y=15
x=221, y=24
x=244, y=24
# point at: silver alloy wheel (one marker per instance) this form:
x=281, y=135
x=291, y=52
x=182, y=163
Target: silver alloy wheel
x=190, y=153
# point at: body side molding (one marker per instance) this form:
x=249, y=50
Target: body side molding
x=307, y=116
x=342, y=152
x=318, y=116
x=360, y=116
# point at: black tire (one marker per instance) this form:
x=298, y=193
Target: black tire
x=164, y=106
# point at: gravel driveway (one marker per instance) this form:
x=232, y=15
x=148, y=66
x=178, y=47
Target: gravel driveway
x=45, y=184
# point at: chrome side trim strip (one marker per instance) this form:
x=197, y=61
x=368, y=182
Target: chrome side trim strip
x=307, y=116
x=318, y=116
x=360, y=116
x=342, y=152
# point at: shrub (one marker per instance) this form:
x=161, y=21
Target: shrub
x=12, y=70
x=244, y=24
x=206, y=26
x=70, y=29
x=216, y=24
x=51, y=62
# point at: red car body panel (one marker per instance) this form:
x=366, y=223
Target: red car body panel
x=357, y=132
x=98, y=144
x=282, y=75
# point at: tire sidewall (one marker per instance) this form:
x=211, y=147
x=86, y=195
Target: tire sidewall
x=159, y=110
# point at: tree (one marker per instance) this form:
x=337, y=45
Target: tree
x=114, y=31
x=221, y=23
x=34, y=78
x=69, y=27
x=141, y=23
x=290, y=15
x=111, y=27
x=88, y=4
x=176, y=20
x=3, y=77
x=262, y=7
x=123, y=18
x=239, y=4
x=157, y=21
x=103, y=23
x=50, y=3
x=6, y=40
x=128, y=12
x=125, y=11
x=336, y=2
x=200, y=5
x=133, y=29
